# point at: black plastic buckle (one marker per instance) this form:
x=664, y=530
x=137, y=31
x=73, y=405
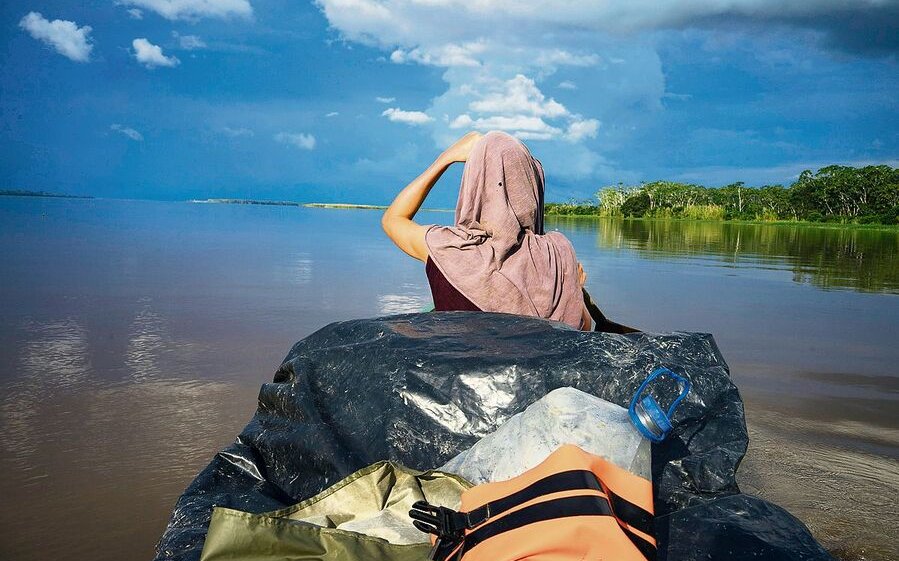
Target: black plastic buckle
x=447, y=524
x=438, y=520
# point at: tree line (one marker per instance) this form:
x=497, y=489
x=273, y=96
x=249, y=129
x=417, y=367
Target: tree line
x=865, y=195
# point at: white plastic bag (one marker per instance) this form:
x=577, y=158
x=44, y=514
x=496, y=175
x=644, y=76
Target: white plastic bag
x=563, y=416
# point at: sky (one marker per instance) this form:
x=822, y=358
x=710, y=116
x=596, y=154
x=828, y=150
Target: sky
x=349, y=100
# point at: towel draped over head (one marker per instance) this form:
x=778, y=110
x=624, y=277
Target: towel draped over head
x=497, y=254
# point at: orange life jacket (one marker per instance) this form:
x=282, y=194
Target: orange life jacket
x=574, y=506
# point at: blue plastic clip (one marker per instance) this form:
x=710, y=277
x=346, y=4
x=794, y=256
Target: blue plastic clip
x=647, y=415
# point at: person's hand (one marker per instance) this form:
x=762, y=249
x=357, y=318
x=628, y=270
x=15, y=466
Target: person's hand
x=460, y=149
x=581, y=275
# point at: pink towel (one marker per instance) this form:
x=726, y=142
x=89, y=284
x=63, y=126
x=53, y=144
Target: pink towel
x=497, y=254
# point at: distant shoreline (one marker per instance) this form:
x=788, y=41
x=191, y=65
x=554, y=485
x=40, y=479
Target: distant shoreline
x=25, y=193
x=336, y=206
x=344, y=206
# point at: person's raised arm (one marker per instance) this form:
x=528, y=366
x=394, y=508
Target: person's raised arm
x=397, y=220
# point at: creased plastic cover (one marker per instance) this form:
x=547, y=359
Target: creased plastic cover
x=420, y=388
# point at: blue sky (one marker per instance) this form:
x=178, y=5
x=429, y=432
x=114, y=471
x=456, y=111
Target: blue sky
x=347, y=100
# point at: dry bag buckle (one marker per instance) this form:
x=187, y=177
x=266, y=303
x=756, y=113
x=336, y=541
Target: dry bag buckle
x=447, y=524
x=648, y=417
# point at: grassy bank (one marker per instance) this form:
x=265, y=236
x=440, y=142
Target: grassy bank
x=831, y=225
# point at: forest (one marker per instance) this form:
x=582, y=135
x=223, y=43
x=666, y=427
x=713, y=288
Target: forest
x=842, y=194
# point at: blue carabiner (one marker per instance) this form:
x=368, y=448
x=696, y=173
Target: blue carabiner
x=647, y=415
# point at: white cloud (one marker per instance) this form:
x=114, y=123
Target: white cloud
x=580, y=129
x=135, y=13
x=559, y=57
x=516, y=96
x=195, y=9
x=524, y=127
x=189, y=42
x=497, y=54
x=237, y=132
x=443, y=55
x=150, y=55
x=332, y=114
x=518, y=107
x=302, y=141
x=127, y=131
x=385, y=99
x=65, y=36
x=397, y=115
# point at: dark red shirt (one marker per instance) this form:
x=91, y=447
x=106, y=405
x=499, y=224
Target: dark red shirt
x=446, y=297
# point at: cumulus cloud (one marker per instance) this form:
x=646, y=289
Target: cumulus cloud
x=194, y=9
x=385, y=99
x=578, y=130
x=150, y=55
x=496, y=55
x=300, y=140
x=442, y=55
x=136, y=13
x=499, y=55
x=524, y=127
x=519, y=95
x=332, y=114
x=519, y=107
x=397, y=115
x=127, y=131
x=189, y=42
x=64, y=36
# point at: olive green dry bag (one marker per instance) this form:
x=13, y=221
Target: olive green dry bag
x=365, y=516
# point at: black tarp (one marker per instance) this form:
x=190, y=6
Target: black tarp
x=420, y=388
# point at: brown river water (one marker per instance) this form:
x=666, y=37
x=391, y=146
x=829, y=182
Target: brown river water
x=135, y=335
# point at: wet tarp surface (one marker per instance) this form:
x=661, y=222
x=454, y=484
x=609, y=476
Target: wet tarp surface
x=418, y=389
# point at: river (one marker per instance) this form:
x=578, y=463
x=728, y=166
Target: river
x=135, y=336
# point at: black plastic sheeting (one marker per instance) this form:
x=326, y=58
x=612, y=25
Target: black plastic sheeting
x=420, y=388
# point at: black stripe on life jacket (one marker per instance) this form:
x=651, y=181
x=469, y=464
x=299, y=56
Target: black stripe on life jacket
x=482, y=518
x=550, y=510
x=573, y=480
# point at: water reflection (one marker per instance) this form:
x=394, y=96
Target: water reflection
x=148, y=340
x=121, y=453
x=409, y=301
x=54, y=356
x=297, y=270
x=56, y=352
x=828, y=258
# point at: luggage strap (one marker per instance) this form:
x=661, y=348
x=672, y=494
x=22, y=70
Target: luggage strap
x=449, y=525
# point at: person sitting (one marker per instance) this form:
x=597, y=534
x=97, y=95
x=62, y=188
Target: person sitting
x=497, y=257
